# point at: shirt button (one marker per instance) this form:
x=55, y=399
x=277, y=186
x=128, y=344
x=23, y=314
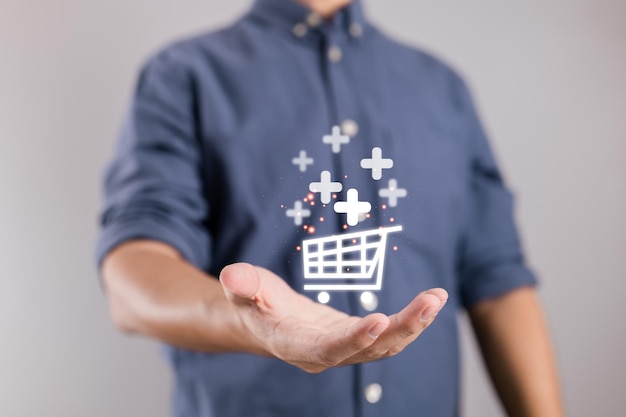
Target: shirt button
x=299, y=29
x=334, y=53
x=356, y=30
x=373, y=393
x=349, y=128
x=313, y=19
x=369, y=301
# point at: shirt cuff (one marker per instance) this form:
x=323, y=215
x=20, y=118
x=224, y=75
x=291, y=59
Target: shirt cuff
x=162, y=230
x=497, y=281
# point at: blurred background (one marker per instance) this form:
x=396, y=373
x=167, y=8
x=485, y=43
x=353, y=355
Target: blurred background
x=549, y=77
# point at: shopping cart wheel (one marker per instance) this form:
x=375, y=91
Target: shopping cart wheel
x=323, y=297
x=369, y=301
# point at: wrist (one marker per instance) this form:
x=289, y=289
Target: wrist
x=224, y=329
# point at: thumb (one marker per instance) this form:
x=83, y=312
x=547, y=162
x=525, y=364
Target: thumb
x=241, y=282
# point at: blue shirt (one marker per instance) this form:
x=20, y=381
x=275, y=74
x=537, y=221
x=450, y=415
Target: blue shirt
x=206, y=164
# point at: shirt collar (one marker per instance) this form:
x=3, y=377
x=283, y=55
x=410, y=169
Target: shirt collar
x=297, y=18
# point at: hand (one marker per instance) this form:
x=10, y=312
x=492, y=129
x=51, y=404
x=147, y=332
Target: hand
x=314, y=336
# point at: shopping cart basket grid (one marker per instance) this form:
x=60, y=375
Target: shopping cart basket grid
x=335, y=263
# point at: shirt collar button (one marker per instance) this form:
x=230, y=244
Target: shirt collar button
x=299, y=30
x=313, y=19
x=356, y=30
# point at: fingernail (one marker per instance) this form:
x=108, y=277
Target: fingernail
x=430, y=312
x=376, y=330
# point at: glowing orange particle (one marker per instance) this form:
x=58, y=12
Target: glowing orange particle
x=368, y=215
x=321, y=219
x=384, y=206
x=353, y=240
x=395, y=248
x=298, y=248
x=306, y=226
x=334, y=195
x=310, y=196
x=391, y=219
x=345, y=226
x=312, y=229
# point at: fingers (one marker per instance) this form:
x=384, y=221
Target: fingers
x=420, y=312
x=241, y=282
x=404, y=327
x=377, y=336
x=414, y=318
x=335, y=347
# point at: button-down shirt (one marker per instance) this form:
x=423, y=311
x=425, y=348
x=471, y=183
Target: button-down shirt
x=224, y=138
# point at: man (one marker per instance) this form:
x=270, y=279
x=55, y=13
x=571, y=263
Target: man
x=214, y=165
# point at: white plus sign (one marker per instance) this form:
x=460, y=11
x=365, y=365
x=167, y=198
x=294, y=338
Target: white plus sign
x=377, y=163
x=297, y=212
x=336, y=139
x=392, y=192
x=352, y=207
x=325, y=187
x=302, y=161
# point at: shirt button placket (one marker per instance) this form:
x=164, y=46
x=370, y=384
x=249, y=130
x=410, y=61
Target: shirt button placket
x=345, y=108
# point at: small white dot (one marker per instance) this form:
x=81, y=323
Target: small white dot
x=366, y=297
x=323, y=297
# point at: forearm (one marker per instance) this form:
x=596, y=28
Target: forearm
x=154, y=292
x=513, y=337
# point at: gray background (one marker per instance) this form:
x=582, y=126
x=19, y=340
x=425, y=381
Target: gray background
x=549, y=79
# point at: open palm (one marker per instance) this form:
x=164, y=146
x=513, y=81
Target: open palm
x=315, y=336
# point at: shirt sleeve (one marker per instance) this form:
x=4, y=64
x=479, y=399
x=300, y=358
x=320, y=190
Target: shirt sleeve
x=492, y=260
x=152, y=187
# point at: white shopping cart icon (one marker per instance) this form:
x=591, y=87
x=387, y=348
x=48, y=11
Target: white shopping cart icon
x=347, y=257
